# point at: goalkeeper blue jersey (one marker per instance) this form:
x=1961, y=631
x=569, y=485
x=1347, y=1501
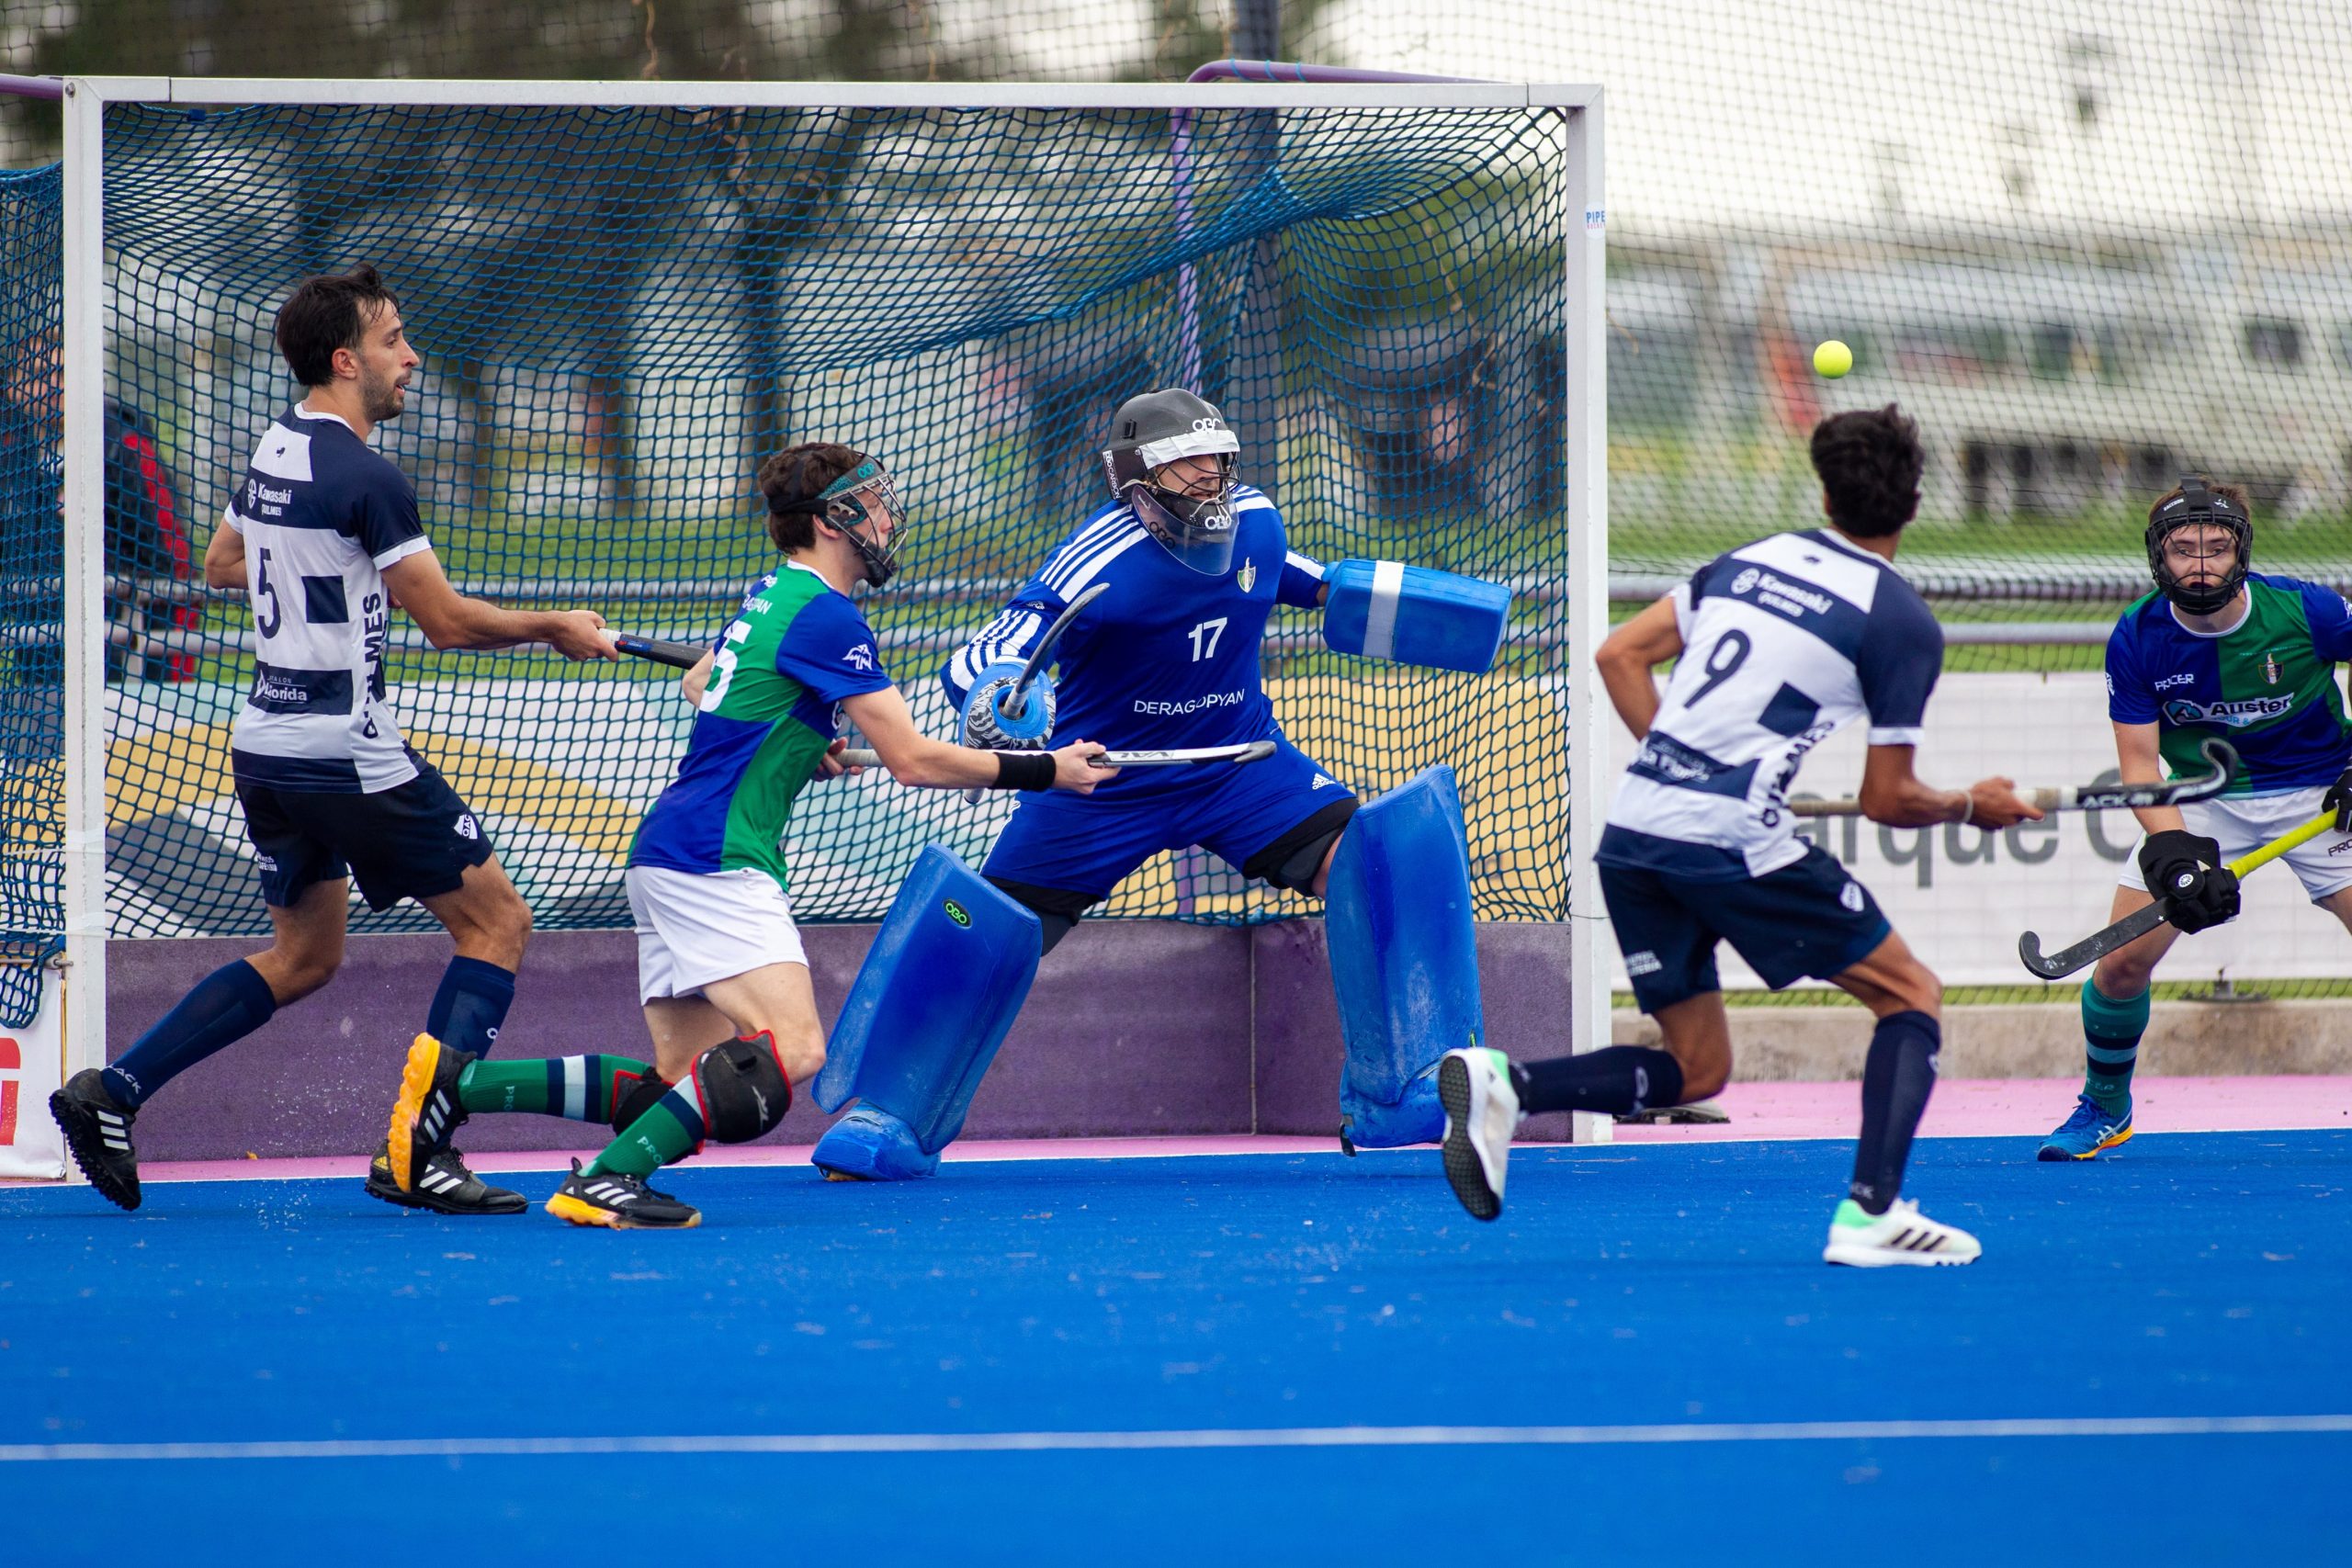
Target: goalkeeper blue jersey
x=1169, y=656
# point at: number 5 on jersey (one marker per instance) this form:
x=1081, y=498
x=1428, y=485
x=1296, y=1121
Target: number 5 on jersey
x=1205, y=638
x=722, y=666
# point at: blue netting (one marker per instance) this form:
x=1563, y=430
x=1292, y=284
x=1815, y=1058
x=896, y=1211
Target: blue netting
x=621, y=311
x=32, y=598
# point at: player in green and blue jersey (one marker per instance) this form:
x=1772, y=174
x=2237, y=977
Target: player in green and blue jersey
x=720, y=969
x=2218, y=650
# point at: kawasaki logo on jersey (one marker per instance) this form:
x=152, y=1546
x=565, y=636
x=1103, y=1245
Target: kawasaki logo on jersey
x=2237, y=715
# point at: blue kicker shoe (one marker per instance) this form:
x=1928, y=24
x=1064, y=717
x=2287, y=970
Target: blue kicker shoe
x=869, y=1144
x=1417, y=1118
x=2087, y=1133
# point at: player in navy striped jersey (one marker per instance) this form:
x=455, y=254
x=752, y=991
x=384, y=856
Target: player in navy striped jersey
x=324, y=536
x=1777, y=645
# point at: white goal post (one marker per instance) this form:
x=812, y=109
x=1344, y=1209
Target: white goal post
x=88, y=316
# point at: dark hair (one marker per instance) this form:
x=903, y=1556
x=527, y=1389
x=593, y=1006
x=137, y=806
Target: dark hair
x=2234, y=494
x=793, y=480
x=1869, y=461
x=327, y=312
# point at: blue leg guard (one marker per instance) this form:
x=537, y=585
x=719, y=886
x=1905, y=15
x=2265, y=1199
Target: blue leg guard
x=1404, y=959
x=938, y=992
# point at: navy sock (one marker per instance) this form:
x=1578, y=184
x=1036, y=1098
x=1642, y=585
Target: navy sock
x=228, y=1003
x=1615, y=1079
x=1897, y=1080
x=471, y=1005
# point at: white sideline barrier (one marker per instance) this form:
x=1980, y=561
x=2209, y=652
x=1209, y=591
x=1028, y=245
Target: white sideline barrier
x=1961, y=896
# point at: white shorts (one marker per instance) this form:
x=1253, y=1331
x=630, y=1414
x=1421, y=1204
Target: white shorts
x=696, y=927
x=2246, y=822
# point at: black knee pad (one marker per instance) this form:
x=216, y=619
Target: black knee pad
x=1292, y=860
x=642, y=1096
x=1058, y=908
x=744, y=1091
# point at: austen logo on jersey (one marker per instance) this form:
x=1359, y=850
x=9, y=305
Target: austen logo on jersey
x=1247, y=577
x=2235, y=716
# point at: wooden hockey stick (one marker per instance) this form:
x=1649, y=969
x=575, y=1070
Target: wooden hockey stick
x=2220, y=758
x=2140, y=922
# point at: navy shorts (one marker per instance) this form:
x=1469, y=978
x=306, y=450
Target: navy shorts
x=1090, y=843
x=414, y=840
x=1805, y=920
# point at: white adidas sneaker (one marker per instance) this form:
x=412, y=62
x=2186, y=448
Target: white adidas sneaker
x=1481, y=1114
x=1902, y=1235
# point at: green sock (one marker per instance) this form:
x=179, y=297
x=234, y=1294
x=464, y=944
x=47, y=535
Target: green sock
x=671, y=1130
x=581, y=1088
x=2111, y=1032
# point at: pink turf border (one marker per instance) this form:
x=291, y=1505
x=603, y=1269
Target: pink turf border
x=1968, y=1108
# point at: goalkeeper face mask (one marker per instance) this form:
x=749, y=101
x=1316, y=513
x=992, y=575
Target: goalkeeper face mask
x=863, y=506
x=2195, y=568
x=1171, y=459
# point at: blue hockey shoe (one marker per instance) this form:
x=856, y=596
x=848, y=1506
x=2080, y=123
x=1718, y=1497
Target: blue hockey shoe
x=2086, y=1133
x=869, y=1144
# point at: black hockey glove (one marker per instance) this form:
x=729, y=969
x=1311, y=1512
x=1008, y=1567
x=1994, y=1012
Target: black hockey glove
x=2338, y=799
x=2186, y=871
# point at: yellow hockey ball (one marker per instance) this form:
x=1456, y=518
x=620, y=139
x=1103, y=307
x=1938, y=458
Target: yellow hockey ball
x=1832, y=359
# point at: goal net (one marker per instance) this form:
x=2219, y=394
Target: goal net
x=622, y=305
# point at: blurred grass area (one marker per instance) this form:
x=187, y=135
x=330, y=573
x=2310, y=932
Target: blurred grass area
x=2063, y=993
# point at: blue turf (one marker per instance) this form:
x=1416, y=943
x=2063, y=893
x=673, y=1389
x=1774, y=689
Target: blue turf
x=2179, y=1276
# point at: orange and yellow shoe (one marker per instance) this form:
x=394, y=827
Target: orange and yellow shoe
x=427, y=1113
x=2089, y=1132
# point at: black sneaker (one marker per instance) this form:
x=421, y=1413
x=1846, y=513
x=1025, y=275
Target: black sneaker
x=99, y=1132
x=427, y=1115
x=445, y=1185
x=619, y=1202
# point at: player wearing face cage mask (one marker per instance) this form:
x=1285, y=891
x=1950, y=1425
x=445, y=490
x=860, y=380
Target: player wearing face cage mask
x=1154, y=608
x=2221, y=652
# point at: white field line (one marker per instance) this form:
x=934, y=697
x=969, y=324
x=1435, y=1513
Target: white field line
x=1234, y=1437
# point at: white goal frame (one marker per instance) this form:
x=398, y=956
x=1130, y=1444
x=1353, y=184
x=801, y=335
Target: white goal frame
x=85, y=103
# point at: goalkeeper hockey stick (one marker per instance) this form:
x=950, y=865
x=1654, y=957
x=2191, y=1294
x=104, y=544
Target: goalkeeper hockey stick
x=2140, y=922
x=2221, y=760
x=1181, y=757
x=686, y=655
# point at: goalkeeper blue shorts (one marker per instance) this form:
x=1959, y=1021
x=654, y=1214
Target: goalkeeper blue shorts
x=1090, y=843
x=1808, y=919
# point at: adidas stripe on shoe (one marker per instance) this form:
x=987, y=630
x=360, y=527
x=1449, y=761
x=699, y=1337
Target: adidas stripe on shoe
x=427, y=1114
x=1902, y=1235
x=619, y=1202
x=99, y=1132
x=445, y=1185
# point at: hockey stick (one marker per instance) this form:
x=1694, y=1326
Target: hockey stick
x=2140, y=922
x=685, y=654
x=1182, y=757
x=2218, y=757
